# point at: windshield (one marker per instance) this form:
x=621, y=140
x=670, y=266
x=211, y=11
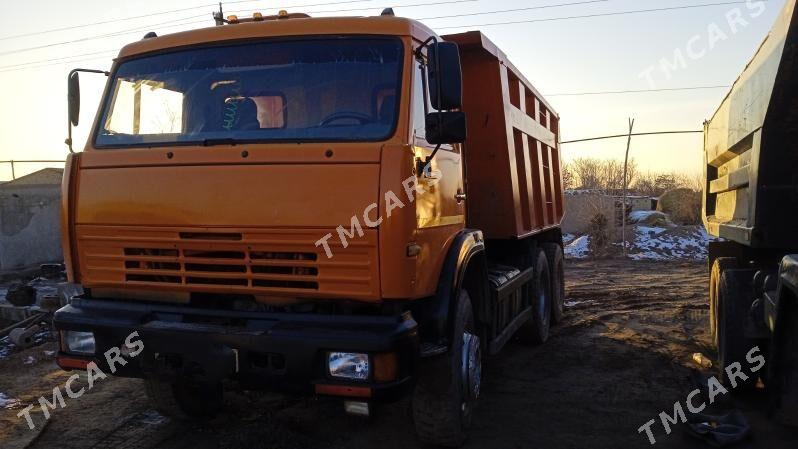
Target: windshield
x=320, y=89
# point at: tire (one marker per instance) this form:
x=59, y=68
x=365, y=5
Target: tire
x=735, y=296
x=554, y=256
x=447, y=389
x=183, y=401
x=536, y=330
x=720, y=265
x=783, y=372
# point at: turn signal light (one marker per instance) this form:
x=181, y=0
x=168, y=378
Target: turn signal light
x=385, y=367
x=232, y=19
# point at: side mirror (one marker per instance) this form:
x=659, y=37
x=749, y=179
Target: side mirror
x=445, y=76
x=446, y=128
x=73, y=96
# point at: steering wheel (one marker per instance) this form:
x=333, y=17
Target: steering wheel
x=346, y=115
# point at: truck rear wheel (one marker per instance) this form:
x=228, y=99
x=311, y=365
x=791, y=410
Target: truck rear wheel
x=555, y=259
x=735, y=296
x=184, y=401
x=784, y=363
x=447, y=390
x=720, y=265
x=536, y=329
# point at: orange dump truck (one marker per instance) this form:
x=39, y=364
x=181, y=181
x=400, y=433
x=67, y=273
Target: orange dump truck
x=353, y=207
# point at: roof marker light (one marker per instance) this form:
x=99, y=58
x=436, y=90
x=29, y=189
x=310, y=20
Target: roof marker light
x=283, y=14
x=232, y=19
x=257, y=17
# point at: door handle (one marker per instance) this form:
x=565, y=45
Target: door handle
x=460, y=197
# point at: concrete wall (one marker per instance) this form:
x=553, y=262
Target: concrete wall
x=580, y=208
x=30, y=230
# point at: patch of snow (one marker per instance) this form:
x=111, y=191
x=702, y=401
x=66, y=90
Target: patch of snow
x=30, y=360
x=7, y=402
x=686, y=243
x=49, y=353
x=6, y=347
x=568, y=238
x=579, y=248
x=641, y=215
x=573, y=303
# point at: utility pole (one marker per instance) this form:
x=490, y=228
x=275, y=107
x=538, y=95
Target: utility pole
x=626, y=186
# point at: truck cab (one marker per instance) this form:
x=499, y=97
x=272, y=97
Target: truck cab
x=281, y=202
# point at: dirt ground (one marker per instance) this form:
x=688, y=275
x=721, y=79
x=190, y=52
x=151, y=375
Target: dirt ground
x=621, y=356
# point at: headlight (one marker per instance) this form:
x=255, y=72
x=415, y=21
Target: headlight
x=345, y=365
x=79, y=342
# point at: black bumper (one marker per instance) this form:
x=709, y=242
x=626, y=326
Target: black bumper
x=257, y=350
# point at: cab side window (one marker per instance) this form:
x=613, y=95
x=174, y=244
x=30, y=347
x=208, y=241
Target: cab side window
x=419, y=97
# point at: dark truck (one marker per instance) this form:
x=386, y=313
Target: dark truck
x=751, y=204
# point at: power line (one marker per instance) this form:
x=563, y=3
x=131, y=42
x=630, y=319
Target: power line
x=99, y=36
x=617, y=136
x=182, y=22
x=529, y=8
x=105, y=22
x=31, y=64
x=243, y=11
x=158, y=13
x=147, y=27
x=613, y=92
x=52, y=44
x=590, y=16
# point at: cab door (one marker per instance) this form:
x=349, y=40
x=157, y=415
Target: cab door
x=443, y=203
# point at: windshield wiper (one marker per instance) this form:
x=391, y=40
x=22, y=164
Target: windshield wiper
x=223, y=141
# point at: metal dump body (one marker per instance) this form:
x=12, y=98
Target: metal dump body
x=512, y=153
x=751, y=147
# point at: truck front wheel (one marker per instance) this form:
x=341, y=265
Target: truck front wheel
x=183, y=400
x=447, y=390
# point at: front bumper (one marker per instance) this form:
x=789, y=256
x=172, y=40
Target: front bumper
x=256, y=350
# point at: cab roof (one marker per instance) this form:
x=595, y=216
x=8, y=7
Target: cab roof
x=379, y=25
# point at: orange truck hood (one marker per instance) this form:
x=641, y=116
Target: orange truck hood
x=146, y=224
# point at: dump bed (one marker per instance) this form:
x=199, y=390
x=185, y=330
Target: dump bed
x=512, y=153
x=751, y=147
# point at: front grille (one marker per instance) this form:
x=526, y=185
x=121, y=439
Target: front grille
x=197, y=267
x=285, y=262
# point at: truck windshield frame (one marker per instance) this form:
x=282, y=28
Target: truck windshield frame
x=327, y=89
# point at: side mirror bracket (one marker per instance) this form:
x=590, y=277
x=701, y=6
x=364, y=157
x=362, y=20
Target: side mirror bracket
x=73, y=101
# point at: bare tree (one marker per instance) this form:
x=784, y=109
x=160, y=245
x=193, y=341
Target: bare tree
x=601, y=174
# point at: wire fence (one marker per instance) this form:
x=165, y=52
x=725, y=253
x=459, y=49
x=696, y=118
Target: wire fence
x=13, y=164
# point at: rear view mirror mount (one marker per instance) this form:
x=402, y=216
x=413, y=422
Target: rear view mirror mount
x=73, y=101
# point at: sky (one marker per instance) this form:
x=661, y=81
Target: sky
x=559, y=53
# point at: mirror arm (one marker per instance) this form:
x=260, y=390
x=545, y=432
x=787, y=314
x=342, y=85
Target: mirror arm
x=426, y=164
x=68, y=140
x=423, y=165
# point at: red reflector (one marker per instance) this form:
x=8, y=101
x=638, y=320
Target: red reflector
x=68, y=363
x=342, y=390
